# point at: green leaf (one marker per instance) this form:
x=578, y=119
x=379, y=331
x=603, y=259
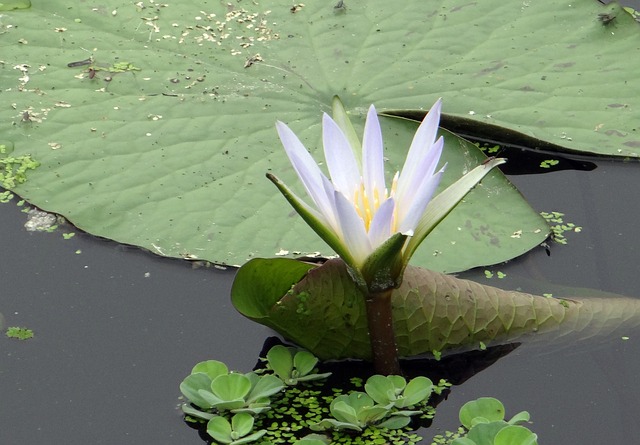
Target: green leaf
x=260, y=283
x=192, y=412
x=515, y=435
x=463, y=441
x=381, y=389
x=242, y=424
x=395, y=422
x=326, y=424
x=21, y=333
x=344, y=412
x=418, y=389
x=280, y=361
x=216, y=402
x=312, y=439
x=220, y=429
x=191, y=387
x=314, y=220
x=170, y=154
x=231, y=387
x=8, y=5
x=341, y=117
x=357, y=408
x=304, y=362
x=250, y=438
x=373, y=414
x=212, y=368
x=487, y=408
x=324, y=312
x=485, y=433
x=265, y=386
x=522, y=416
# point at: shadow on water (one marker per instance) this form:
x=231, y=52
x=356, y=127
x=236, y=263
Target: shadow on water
x=117, y=329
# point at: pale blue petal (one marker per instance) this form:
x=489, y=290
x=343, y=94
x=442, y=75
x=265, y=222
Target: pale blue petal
x=421, y=148
x=423, y=170
x=341, y=161
x=353, y=230
x=409, y=216
x=330, y=213
x=373, y=158
x=306, y=168
x=380, y=227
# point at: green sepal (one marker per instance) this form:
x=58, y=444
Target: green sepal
x=382, y=270
x=312, y=218
x=341, y=117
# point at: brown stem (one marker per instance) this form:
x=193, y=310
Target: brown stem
x=381, y=334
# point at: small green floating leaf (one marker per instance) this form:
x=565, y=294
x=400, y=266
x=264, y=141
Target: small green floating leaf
x=549, y=163
x=19, y=333
x=212, y=368
x=484, y=409
x=515, y=435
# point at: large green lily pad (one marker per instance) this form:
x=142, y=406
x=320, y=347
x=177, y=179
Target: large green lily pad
x=163, y=139
x=321, y=309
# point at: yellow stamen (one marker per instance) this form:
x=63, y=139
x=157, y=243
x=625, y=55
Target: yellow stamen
x=365, y=208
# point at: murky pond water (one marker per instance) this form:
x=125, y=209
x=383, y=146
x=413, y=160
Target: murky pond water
x=116, y=329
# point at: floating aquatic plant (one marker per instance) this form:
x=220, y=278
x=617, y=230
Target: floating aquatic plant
x=212, y=388
x=394, y=391
x=20, y=333
x=382, y=404
x=293, y=365
x=235, y=432
x=484, y=418
x=294, y=411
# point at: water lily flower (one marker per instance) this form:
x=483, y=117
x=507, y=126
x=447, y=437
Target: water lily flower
x=372, y=227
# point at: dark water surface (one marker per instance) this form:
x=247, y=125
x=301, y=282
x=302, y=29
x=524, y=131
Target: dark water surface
x=585, y=392
x=116, y=330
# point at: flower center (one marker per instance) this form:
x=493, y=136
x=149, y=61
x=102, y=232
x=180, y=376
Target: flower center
x=367, y=202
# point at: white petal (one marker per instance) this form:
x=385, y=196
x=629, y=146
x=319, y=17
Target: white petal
x=304, y=165
x=422, y=171
x=373, y=158
x=353, y=231
x=421, y=146
x=380, y=228
x=330, y=213
x=410, y=215
x=341, y=161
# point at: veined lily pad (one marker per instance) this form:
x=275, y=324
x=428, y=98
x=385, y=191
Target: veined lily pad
x=159, y=132
x=323, y=311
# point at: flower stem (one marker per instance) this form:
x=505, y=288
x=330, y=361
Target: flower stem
x=381, y=334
